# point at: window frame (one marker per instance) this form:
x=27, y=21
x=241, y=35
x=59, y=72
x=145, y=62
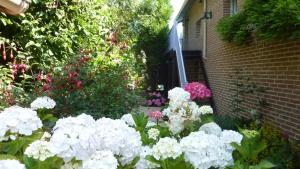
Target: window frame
x=233, y=7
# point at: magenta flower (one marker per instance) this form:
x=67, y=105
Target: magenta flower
x=157, y=102
x=156, y=115
x=198, y=91
x=149, y=102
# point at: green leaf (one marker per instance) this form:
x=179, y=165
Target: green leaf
x=265, y=165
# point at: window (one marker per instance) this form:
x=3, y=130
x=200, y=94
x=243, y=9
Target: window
x=233, y=7
x=198, y=29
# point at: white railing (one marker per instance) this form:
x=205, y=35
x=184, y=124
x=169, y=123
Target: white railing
x=174, y=44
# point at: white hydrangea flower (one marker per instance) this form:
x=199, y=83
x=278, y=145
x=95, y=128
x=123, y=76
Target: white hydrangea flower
x=228, y=137
x=128, y=119
x=150, y=124
x=39, y=150
x=17, y=120
x=211, y=128
x=46, y=136
x=166, y=148
x=181, y=110
x=143, y=162
x=206, y=110
x=178, y=95
x=153, y=133
x=71, y=165
x=101, y=160
x=195, y=111
x=11, y=164
x=176, y=123
x=43, y=103
x=205, y=150
x=74, y=137
x=116, y=136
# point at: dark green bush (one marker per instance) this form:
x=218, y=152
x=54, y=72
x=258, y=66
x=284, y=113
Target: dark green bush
x=264, y=20
x=280, y=151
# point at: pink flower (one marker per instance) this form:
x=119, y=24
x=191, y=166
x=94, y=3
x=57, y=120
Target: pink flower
x=156, y=115
x=79, y=84
x=39, y=76
x=197, y=90
x=46, y=87
x=157, y=102
x=157, y=94
x=48, y=78
x=22, y=67
x=149, y=102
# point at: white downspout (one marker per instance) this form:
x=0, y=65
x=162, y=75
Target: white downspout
x=204, y=50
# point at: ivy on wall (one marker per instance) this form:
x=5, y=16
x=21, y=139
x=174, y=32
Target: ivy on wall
x=262, y=20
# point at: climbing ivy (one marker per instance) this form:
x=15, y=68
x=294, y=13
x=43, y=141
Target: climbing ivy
x=262, y=20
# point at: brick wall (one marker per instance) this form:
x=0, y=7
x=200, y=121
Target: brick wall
x=273, y=65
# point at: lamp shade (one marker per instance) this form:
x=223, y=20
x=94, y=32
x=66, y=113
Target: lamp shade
x=14, y=7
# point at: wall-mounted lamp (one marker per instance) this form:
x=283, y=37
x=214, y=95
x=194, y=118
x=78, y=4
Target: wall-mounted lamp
x=14, y=7
x=208, y=15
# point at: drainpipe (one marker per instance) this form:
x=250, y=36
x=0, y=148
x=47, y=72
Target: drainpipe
x=14, y=7
x=204, y=29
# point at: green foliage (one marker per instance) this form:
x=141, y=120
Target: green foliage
x=228, y=122
x=244, y=87
x=45, y=45
x=246, y=153
x=280, y=151
x=265, y=20
x=17, y=147
x=49, y=163
x=178, y=163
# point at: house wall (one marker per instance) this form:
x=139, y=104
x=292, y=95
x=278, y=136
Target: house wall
x=193, y=39
x=273, y=65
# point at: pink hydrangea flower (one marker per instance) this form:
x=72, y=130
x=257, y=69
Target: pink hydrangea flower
x=197, y=90
x=156, y=115
x=149, y=102
x=157, y=102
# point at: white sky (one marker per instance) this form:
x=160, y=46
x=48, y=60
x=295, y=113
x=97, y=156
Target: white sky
x=176, y=7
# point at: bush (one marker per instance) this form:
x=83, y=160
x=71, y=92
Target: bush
x=279, y=150
x=264, y=20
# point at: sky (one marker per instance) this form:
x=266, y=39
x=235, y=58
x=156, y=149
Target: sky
x=176, y=7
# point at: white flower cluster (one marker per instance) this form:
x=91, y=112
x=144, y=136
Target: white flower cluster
x=128, y=119
x=206, y=148
x=153, y=133
x=166, y=148
x=116, y=136
x=178, y=95
x=101, y=160
x=71, y=165
x=43, y=103
x=74, y=137
x=11, y=164
x=39, y=150
x=182, y=109
x=206, y=110
x=143, y=163
x=16, y=120
x=211, y=128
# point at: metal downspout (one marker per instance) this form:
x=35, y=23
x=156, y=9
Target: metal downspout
x=204, y=52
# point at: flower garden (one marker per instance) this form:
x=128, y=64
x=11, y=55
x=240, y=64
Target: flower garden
x=71, y=91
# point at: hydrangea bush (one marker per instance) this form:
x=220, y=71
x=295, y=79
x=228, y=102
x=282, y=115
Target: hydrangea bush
x=132, y=142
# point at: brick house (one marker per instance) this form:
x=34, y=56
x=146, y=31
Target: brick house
x=274, y=65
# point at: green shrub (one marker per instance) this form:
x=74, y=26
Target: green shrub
x=246, y=154
x=264, y=20
x=279, y=150
x=94, y=85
